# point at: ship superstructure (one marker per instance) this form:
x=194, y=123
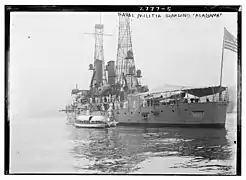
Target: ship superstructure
x=115, y=78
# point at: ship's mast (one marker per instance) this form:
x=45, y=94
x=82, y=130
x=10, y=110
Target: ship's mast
x=125, y=65
x=99, y=73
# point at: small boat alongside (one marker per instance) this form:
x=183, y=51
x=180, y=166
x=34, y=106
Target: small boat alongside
x=92, y=121
x=95, y=119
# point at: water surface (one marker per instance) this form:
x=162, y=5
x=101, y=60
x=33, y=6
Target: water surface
x=54, y=145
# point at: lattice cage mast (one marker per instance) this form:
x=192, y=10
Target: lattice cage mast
x=123, y=71
x=125, y=65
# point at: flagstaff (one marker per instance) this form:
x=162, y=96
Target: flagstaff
x=222, y=57
x=221, y=65
x=229, y=43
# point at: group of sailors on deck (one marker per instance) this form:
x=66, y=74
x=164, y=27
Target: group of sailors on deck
x=103, y=103
x=106, y=99
x=113, y=102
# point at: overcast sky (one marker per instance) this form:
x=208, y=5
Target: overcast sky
x=50, y=53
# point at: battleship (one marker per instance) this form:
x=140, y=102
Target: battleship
x=118, y=85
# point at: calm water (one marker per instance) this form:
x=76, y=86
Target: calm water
x=53, y=145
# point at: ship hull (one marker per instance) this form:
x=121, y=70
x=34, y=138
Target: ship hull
x=90, y=125
x=157, y=125
x=207, y=114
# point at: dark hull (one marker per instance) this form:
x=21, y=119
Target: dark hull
x=203, y=115
x=213, y=115
x=154, y=125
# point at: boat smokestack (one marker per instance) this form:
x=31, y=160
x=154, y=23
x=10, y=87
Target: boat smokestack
x=99, y=72
x=111, y=72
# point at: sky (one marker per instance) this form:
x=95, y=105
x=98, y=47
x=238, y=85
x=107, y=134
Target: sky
x=50, y=54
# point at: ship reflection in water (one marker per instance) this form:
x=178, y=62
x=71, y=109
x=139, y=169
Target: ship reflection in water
x=154, y=150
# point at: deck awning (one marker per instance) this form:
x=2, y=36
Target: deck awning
x=195, y=91
x=206, y=91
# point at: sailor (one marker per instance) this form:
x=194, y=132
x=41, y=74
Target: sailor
x=113, y=105
x=102, y=107
x=148, y=102
x=122, y=95
x=90, y=100
x=116, y=105
x=134, y=104
x=151, y=102
x=110, y=110
x=109, y=98
x=87, y=111
x=114, y=97
x=110, y=106
x=119, y=105
x=125, y=104
x=144, y=103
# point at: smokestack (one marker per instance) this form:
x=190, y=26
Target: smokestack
x=99, y=71
x=111, y=72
